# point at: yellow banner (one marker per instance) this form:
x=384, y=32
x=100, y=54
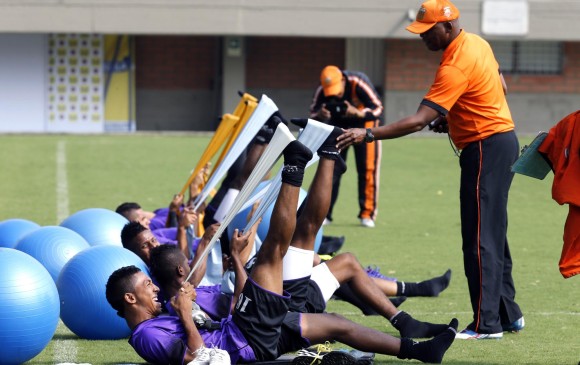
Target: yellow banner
x=119, y=88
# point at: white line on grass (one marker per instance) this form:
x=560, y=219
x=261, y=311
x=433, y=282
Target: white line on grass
x=456, y=313
x=65, y=351
x=61, y=183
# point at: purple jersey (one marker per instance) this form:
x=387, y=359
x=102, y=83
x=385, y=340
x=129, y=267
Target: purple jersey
x=162, y=340
x=157, y=223
x=165, y=235
x=160, y=219
x=211, y=300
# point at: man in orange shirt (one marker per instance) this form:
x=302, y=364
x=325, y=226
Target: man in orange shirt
x=467, y=100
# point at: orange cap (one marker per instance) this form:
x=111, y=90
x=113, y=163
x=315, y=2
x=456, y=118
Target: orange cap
x=331, y=80
x=431, y=13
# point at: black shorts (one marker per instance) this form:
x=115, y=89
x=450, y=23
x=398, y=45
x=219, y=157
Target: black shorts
x=262, y=317
x=306, y=296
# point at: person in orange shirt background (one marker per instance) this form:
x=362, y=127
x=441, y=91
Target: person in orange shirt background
x=467, y=100
x=561, y=148
x=348, y=99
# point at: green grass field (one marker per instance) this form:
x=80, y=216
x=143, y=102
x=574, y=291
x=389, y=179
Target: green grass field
x=417, y=234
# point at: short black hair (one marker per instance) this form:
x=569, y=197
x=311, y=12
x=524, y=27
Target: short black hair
x=119, y=283
x=162, y=262
x=129, y=232
x=126, y=208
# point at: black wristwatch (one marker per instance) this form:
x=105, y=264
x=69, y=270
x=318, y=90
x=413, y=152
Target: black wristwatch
x=369, y=137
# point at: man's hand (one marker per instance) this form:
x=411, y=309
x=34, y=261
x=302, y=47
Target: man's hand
x=439, y=125
x=227, y=262
x=240, y=241
x=349, y=137
x=187, y=218
x=323, y=114
x=176, y=203
x=209, y=233
x=181, y=302
x=352, y=111
x=199, y=181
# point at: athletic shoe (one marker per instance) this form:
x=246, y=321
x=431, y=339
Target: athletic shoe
x=219, y=357
x=304, y=357
x=330, y=245
x=367, y=222
x=472, y=335
x=312, y=355
x=348, y=357
x=516, y=326
x=202, y=356
x=375, y=272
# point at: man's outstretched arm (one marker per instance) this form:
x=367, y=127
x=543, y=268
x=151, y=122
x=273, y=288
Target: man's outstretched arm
x=410, y=124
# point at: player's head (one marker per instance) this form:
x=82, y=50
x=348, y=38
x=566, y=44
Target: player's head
x=167, y=264
x=437, y=23
x=332, y=81
x=134, y=213
x=139, y=240
x=128, y=288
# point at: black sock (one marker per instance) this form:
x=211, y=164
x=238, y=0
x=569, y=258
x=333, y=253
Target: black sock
x=328, y=148
x=279, y=119
x=345, y=292
x=427, y=288
x=296, y=156
x=410, y=327
x=267, y=131
x=301, y=122
x=431, y=351
x=397, y=301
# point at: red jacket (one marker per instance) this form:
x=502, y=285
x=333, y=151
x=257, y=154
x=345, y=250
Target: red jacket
x=562, y=148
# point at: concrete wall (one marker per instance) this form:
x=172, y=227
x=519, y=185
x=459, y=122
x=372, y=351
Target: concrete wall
x=175, y=110
x=178, y=82
x=22, y=82
x=549, y=19
x=179, y=88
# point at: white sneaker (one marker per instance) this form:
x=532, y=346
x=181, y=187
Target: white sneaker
x=472, y=335
x=367, y=222
x=202, y=357
x=219, y=357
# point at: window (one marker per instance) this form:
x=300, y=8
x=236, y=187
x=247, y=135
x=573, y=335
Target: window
x=529, y=57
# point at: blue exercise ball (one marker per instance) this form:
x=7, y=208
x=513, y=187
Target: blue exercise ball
x=29, y=307
x=98, y=226
x=81, y=285
x=12, y=230
x=241, y=219
x=52, y=246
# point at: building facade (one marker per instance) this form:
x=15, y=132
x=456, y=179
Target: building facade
x=185, y=60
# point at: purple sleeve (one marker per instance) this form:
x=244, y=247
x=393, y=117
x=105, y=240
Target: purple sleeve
x=165, y=235
x=158, y=346
x=157, y=223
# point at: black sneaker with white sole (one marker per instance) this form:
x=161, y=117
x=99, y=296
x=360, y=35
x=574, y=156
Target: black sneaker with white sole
x=351, y=357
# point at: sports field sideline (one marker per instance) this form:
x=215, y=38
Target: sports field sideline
x=45, y=178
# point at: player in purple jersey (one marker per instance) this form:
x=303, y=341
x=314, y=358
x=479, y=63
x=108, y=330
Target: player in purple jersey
x=176, y=232
x=170, y=267
x=163, y=217
x=261, y=327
